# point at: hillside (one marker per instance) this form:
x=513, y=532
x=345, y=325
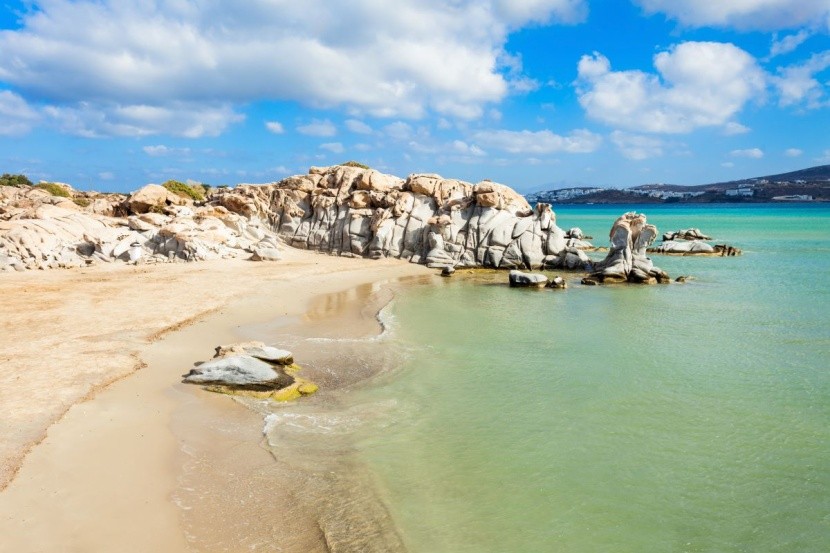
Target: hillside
x=805, y=185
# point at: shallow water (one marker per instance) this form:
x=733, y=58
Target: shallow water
x=685, y=417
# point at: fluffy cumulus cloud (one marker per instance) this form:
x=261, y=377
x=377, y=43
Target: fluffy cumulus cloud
x=636, y=146
x=699, y=84
x=744, y=14
x=404, y=58
x=539, y=142
x=16, y=116
x=793, y=152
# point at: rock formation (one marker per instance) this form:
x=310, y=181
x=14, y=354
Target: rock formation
x=252, y=369
x=685, y=234
x=626, y=260
x=518, y=279
x=341, y=210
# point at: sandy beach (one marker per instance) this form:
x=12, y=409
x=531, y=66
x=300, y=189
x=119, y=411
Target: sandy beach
x=97, y=426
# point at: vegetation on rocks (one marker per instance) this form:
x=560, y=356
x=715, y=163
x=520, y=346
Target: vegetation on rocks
x=355, y=164
x=54, y=189
x=195, y=192
x=14, y=180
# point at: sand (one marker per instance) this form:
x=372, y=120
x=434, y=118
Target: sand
x=94, y=413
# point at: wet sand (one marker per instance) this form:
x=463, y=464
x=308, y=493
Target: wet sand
x=133, y=468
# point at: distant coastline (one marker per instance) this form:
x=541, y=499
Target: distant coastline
x=805, y=185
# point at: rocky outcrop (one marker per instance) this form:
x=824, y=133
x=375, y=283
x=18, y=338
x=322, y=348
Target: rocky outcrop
x=252, y=369
x=694, y=247
x=685, y=234
x=341, y=210
x=626, y=260
x=41, y=231
x=423, y=219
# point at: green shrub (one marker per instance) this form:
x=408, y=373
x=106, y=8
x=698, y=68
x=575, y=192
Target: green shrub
x=82, y=201
x=54, y=189
x=196, y=192
x=14, y=180
x=354, y=164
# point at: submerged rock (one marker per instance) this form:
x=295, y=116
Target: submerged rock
x=519, y=279
x=252, y=369
x=557, y=282
x=449, y=270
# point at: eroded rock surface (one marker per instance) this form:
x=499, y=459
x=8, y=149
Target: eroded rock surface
x=341, y=210
x=252, y=369
x=627, y=260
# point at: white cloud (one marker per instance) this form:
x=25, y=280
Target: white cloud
x=463, y=148
x=733, y=127
x=106, y=175
x=161, y=150
x=16, y=116
x=637, y=147
x=743, y=14
x=358, y=127
x=335, y=147
x=727, y=164
x=398, y=130
x=797, y=84
x=390, y=59
x=136, y=120
x=825, y=157
x=793, y=152
x=788, y=43
x=699, y=84
x=539, y=142
x=752, y=153
x=318, y=127
x=275, y=127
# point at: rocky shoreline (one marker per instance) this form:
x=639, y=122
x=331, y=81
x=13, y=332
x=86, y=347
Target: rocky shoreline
x=341, y=210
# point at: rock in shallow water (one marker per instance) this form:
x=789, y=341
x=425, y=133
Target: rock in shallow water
x=519, y=279
x=252, y=369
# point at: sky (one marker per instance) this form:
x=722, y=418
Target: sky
x=536, y=94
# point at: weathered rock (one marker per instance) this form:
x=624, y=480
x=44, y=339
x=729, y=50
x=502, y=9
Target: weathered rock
x=626, y=260
x=449, y=270
x=252, y=369
x=694, y=247
x=519, y=279
x=242, y=371
x=152, y=196
x=685, y=234
x=557, y=282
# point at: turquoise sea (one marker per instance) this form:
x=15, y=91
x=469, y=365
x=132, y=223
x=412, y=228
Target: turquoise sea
x=669, y=418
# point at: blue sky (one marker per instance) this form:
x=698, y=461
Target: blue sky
x=536, y=94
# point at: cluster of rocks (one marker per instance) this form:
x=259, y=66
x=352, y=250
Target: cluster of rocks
x=341, y=210
x=42, y=231
x=252, y=369
x=692, y=242
x=425, y=218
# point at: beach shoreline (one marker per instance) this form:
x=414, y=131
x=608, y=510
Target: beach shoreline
x=108, y=468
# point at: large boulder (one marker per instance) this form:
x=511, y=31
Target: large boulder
x=626, y=260
x=518, y=279
x=251, y=369
x=152, y=197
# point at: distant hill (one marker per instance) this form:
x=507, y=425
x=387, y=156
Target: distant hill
x=805, y=185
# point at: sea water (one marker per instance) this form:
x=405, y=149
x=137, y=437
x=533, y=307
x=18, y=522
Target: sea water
x=669, y=418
